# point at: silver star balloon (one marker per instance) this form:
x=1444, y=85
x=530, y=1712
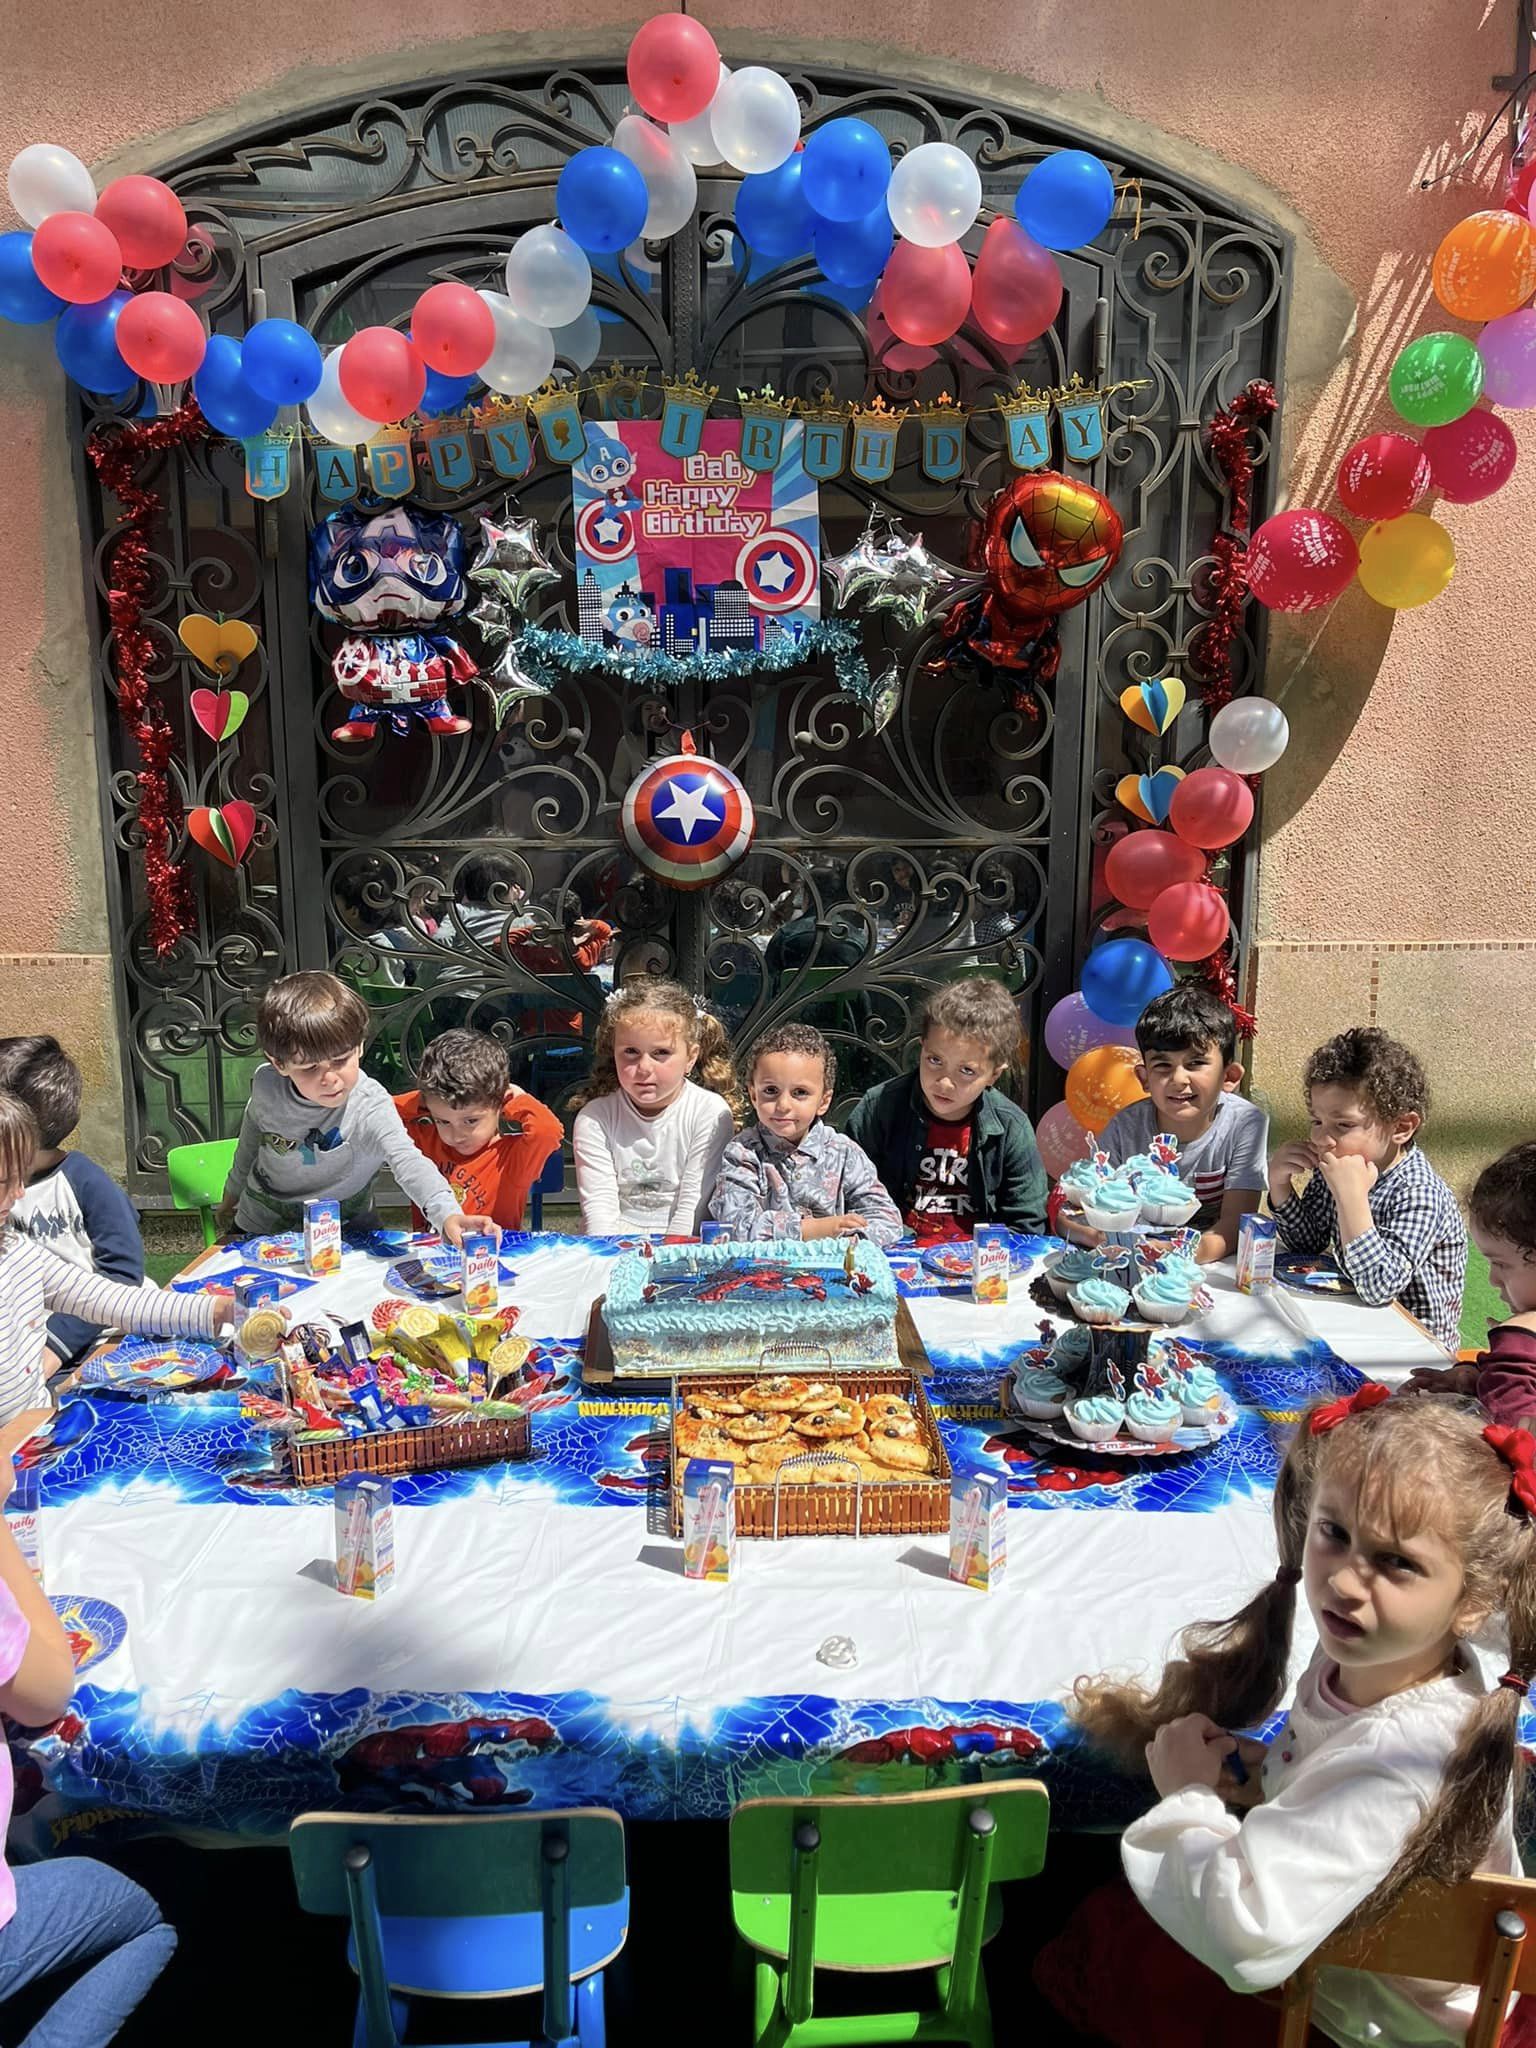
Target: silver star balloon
x=511, y=561
x=506, y=680
x=889, y=570
x=884, y=695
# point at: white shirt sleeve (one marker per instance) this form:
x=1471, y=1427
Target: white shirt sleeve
x=706, y=1130
x=597, y=1174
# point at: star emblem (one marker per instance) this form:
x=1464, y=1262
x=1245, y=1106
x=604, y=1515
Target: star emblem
x=690, y=807
x=775, y=571
x=609, y=530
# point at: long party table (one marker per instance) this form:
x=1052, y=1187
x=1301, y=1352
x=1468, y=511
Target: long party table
x=540, y=1643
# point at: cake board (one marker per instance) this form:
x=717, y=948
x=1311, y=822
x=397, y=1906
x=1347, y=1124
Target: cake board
x=598, y=1368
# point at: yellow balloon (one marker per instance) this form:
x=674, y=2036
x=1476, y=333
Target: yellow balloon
x=1405, y=562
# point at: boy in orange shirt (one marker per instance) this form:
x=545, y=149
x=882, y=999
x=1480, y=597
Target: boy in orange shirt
x=478, y=1129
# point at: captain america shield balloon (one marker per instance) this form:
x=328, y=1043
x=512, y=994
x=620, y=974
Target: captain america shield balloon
x=687, y=819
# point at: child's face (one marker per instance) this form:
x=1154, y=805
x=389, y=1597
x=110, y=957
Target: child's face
x=954, y=1071
x=1344, y=1124
x=652, y=1059
x=789, y=1092
x=325, y=1083
x=1510, y=1267
x=1186, y=1085
x=467, y=1129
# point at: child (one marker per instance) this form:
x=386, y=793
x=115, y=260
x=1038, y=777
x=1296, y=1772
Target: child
x=790, y=1174
x=489, y=1138
x=648, y=1140
x=68, y=1204
x=1373, y=1198
x=1188, y=1045
x=316, y=1127
x=1503, y=1215
x=952, y=1151
x=1408, y=1525
x=34, y=1279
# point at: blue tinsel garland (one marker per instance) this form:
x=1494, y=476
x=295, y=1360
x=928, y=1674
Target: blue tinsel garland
x=549, y=654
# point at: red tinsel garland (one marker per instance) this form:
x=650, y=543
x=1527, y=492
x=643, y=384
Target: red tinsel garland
x=116, y=455
x=1228, y=438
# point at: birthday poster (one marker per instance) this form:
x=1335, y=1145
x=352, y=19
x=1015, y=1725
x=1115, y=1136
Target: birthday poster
x=693, y=554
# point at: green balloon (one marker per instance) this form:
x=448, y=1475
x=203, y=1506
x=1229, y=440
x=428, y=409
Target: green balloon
x=1436, y=379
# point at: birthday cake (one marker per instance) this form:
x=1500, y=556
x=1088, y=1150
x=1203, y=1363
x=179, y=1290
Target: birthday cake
x=722, y=1307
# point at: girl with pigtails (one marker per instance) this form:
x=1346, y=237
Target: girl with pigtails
x=1409, y=1526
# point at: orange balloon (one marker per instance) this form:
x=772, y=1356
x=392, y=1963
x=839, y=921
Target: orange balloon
x=1101, y=1083
x=1486, y=266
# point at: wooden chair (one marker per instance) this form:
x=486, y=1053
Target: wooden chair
x=1472, y=1933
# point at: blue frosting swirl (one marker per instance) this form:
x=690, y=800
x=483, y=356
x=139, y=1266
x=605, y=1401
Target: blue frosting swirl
x=1152, y=1410
x=1098, y=1408
x=1100, y=1294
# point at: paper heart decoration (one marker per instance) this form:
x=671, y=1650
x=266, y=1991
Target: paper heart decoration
x=1148, y=796
x=225, y=833
x=220, y=713
x=1153, y=706
x=219, y=644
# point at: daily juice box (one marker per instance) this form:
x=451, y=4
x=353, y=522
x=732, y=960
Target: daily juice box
x=978, y=1528
x=21, y=1518
x=365, y=1535
x=989, y=1263
x=714, y=1233
x=256, y=1291
x=480, y=1279
x=1255, y=1253
x=322, y=1237
x=709, y=1520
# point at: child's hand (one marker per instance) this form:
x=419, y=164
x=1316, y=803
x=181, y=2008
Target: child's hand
x=224, y=1220
x=1450, y=1379
x=1346, y=1175
x=1286, y=1167
x=458, y=1226
x=1249, y=1790
x=1189, y=1751
x=1070, y=1225
x=813, y=1228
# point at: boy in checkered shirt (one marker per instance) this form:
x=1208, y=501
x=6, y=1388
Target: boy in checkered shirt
x=1373, y=1200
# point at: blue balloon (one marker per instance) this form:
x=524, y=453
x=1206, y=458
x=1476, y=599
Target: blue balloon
x=601, y=200
x=847, y=168
x=444, y=394
x=854, y=252
x=282, y=362
x=1121, y=977
x=228, y=402
x=23, y=296
x=773, y=214
x=1066, y=200
x=85, y=342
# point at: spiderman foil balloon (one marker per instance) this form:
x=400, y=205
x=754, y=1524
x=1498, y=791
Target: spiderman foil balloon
x=390, y=575
x=1048, y=541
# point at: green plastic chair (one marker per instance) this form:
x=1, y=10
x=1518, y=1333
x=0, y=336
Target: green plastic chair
x=900, y=1883
x=197, y=1175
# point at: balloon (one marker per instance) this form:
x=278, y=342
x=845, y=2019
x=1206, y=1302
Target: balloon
x=579, y=340
x=847, y=168
x=524, y=353
x=85, y=342
x=1405, y=562
x=1016, y=292
x=1382, y=476
x=772, y=213
x=160, y=338
x=1211, y=808
x=329, y=413
x=1120, y=979
x=147, y=218
x=925, y=293
x=1486, y=266
x=671, y=187
x=1060, y=1139
x=696, y=138
x=443, y=394
x=76, y=258
x=382, y=376
x=452, y=329
x=601, y=200
x=548, y=277
x=884, y=347
x=22, y=298
x=1436, y=379
x=673, y=67
x=854, y=252
x=282, y=361
x=1071, y=1029
x=934, y=195
x=1300, y=561
x=228, y=401
x=1142, y=865
x=1188, y=921
x=755, y=120
x=1249, y=735
x=1066, y=200
x=46, y=179
x=1102, y=1083
x=1508, y=350
x=1472, y=458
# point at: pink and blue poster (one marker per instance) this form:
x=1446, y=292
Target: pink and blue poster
x=693, y=554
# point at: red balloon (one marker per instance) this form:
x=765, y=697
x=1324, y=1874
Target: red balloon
x=147, y=219
x=452, y=329
x=1383, y=476
x=1188, y=921
x=1016, y=292
x=925, y=294
x=381, y=375
x=76, y=258
x=887, y=351
x=1145, y=865
x=1521, y=183
x=1211, y=808
x=674, y=67
x=1472, y=458
x=1300, y=561
x=160, y=338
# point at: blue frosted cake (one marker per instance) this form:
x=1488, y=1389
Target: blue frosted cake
x=721, y=1307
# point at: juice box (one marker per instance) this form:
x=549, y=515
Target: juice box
x=365, y=1535
x=714, y=1233
x=989, y=1263
x=322, y=1237
x=978, y=1528
x=22, y=1520
x=1255, y=1253
x=257, y=1290
x=480, y=1278
x=709, y=1520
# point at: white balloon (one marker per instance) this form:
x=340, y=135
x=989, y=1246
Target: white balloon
x=696, y=138
x=47, y=178
x=934, y=194
x=548, y=277
x=579, y=342
x=670, y=184
x=524, y=353
x=1249, y=735
x=329, y=412
x=755, y=120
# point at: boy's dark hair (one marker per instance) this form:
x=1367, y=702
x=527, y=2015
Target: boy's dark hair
x=1187, y=1016
x=975, y=1007
x=310, y=1016
x=464, y=1068
x=479, y=880
x=1386, y=1075
x=1503, y=1198
x=795, y=1038
x=40, y=1073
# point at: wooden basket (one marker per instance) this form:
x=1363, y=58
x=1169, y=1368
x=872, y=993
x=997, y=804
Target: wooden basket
x=392, y=1453
x=917, y=1505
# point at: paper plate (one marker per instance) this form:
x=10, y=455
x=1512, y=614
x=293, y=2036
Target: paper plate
x=286, y=1249
x=954, y=1261
x=94, y=1627
x=168, y=1366
x=1312, y=1273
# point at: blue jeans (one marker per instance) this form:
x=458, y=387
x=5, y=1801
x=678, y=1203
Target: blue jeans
x=84, y=1920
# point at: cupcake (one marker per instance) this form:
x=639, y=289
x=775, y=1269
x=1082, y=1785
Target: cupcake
x=1080, y=1181
x=1040, y=1392
x=1167, y=1200
x=1099, y=1301
x=1069, y=1269
x=1201, y=1395
x=1152, y=1414
x=1072, y=1350
x=1180, y=1268
x=1095, y=1418
x=1141, y=1166
x=1113, y=1205
x=1163, y=1297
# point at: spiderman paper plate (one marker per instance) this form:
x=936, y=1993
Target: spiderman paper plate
x=954, y=1261
x=94, y=1627
x=165, y=1366
x=286, y=1249
x=1311, y=1274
